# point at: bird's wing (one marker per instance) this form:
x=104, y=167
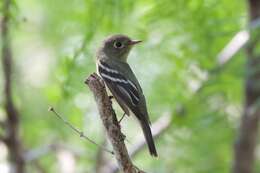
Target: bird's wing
x=124, y=90
x=128, y=95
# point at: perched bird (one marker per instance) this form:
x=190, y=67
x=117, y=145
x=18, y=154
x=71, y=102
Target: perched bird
x=119, y=78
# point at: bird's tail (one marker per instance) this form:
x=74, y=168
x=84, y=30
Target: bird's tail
x=149, y=138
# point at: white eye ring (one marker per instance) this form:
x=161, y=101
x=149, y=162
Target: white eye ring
x=118, y=44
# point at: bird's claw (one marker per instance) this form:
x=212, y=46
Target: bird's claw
x=121, y=118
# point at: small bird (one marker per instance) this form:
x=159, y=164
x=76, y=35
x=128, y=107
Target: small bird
x=119, y=78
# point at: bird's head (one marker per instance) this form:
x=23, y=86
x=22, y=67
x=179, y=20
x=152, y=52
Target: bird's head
x=117, y=47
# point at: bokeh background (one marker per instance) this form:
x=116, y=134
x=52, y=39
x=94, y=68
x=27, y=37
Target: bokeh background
x=54, y=45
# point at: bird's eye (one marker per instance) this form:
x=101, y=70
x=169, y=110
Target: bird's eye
x=118, y=44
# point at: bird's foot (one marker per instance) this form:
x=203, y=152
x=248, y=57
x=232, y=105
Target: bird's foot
x=122, y=137
x=121, y=118
x=110, y=97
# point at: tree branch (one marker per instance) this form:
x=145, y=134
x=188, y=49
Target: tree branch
x=244, y=155
x=111, y=125
x=158, y=128
x=13, y=141
x=236, y=43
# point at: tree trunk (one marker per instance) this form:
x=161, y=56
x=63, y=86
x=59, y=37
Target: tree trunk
x=246, y=142
x=11, y=137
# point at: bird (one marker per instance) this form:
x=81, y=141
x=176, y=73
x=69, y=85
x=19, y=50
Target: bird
x=119, y=78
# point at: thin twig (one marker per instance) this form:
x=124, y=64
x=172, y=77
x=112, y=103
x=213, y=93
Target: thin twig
x=81, y=134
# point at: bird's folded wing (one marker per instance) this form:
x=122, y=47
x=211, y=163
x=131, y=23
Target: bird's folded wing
x=120, y=86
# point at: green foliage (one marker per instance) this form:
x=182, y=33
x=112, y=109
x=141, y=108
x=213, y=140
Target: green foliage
x=54, y=51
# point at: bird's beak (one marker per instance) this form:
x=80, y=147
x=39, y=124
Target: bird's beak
x=133, y=42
